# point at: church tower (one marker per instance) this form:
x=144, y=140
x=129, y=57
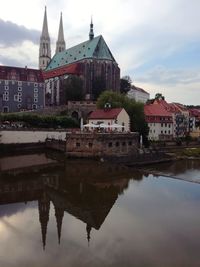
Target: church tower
x=60, y=44
x=45, y=45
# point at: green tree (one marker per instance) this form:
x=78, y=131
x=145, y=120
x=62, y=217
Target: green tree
x=73, y=88
x=133, y=108
x=159, y=96
x=125, y=84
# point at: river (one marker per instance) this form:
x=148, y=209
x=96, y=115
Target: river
x=62, y=212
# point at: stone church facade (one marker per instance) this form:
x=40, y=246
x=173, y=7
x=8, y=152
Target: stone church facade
x=91, y=60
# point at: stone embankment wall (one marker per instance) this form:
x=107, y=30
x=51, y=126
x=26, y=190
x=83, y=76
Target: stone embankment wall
x=29, y=136
x=101, y=144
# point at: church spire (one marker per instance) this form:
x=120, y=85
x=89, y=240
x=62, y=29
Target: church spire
x=88, y=230
x=45, y=32
x=44, y=207
x=45, y=45
x=60, y=44
x=91, y=33
x=59, y=213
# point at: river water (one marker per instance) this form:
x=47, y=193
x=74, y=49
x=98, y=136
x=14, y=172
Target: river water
x=61, y=212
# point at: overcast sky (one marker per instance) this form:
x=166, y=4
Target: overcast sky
x=156, y=43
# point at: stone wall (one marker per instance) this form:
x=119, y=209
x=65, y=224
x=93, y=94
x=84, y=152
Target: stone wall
x=29, y=136
x=101, y=144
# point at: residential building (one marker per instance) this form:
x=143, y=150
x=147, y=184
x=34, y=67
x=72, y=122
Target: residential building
x=21, y=89
x=110, y=116
x=138, y=94
x=160, y=122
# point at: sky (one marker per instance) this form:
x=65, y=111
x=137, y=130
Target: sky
x=156, y=43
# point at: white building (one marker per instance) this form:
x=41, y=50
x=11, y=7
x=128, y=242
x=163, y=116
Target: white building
x=110, y=116
x=160, y=122
x=139, y=94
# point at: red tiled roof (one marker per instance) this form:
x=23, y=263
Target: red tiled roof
x=156, y=110
x=105, y=114
x=75, y=68
x=21, y=74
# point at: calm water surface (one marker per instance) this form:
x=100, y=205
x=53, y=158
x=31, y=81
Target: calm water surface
x=84, y=213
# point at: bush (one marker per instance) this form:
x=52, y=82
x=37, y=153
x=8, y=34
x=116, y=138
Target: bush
x=33, y=120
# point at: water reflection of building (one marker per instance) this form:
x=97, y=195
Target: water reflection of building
x=90, y=200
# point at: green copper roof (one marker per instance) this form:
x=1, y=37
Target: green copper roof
x=95, y=48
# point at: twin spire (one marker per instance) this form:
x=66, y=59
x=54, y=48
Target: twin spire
x=45, y=44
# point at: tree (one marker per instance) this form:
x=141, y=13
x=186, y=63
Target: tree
x=159, y=96
x=125, y=84
x=73, y=88
x=133, y=108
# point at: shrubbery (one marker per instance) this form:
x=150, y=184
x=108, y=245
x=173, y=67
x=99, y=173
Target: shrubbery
x=39, y=121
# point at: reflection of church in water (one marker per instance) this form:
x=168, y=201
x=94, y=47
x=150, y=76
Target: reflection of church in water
x=88, y=200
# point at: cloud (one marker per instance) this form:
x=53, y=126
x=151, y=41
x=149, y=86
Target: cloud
x=24, y=55
x=163, y=76
x=14, y=34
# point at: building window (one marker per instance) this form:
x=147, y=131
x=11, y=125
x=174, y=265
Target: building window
x=35, y=84
x=19, y=99
x=19, y=105
x=35, y=94
x=19, y=83
x=35, y=90
x=6, y=82
x=169, y=132
x=6, y=93
x=161, y=132
x=110, y=144
x=117, y=144
x=123, y=143
x=34, y=106
x=78, y=144
x=5, y=98
x=169, y=125
x=5, y=109
x=161, y=124
x=130, y=143
x=20, y=88
x=6, y=87
x=35, y=100
x=15, y=97
x=165, y=124
x=90, y=144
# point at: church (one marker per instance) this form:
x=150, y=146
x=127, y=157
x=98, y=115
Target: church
x=92, y=61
